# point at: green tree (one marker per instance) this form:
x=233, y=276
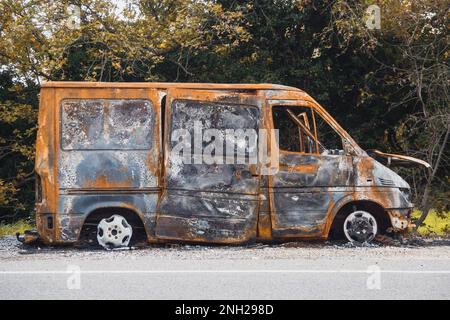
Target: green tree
x=387, y=87
x=411, y=52
x=18, y=106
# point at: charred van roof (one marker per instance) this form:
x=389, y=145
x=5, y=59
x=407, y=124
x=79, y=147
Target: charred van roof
x=168, y=85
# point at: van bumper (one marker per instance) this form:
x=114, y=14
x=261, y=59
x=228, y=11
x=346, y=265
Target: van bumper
x=28, y=237
x=400, y=219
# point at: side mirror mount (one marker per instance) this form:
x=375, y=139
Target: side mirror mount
x=348, y=148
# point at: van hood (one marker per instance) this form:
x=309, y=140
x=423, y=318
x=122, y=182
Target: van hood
x=398, y=160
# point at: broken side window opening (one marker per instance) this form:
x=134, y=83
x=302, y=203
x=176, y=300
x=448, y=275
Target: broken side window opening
x=296, y=127
x=303, y=130
x=312, y=144
x=207, y=132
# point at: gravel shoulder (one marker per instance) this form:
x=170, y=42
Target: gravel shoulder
x=12, y=250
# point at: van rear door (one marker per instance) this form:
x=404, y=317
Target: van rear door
x=210, y=195
x=108, y=155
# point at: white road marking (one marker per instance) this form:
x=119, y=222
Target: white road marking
x=220, y=271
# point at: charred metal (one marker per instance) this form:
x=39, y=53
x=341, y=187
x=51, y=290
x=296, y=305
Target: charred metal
x=105, y=148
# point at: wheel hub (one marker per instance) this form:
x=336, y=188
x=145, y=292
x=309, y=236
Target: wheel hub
x=360, y=226
x=114, y=232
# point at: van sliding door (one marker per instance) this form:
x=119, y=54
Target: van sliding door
x=210, y=194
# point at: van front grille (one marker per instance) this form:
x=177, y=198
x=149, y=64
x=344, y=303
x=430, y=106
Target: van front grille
x=386, y=182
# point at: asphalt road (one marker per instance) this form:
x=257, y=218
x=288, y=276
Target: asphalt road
x=293, y=271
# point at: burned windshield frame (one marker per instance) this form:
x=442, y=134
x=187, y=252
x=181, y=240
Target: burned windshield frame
x=329, y=139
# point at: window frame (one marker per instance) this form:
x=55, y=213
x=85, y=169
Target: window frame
x=304, y=104
x=61, y=126
x=291, y=103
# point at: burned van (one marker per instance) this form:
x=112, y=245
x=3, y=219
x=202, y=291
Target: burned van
x=119, y=163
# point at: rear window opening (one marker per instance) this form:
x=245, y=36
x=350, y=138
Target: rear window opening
x=106, y=124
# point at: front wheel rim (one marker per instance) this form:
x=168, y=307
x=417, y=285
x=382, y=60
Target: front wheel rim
x=360, y=226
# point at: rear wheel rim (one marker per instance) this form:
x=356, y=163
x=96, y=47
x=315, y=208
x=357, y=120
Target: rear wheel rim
x=360, y=226
x=114, y=232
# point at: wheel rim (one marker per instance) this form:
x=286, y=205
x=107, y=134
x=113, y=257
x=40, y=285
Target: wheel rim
x=114, y=232
x=360, y=226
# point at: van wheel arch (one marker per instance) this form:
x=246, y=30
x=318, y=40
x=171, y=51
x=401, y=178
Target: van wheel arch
x=384, y=223
x=89, y=229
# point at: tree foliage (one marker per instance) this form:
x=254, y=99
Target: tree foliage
x=387, y=87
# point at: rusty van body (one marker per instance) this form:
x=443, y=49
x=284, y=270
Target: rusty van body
x=104, y=148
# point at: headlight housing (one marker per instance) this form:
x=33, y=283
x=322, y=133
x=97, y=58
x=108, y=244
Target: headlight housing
x=406, y=193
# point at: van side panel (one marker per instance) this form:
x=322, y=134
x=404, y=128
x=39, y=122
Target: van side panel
x=107, y=148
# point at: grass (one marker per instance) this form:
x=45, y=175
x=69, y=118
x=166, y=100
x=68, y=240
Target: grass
x=13, y=228
x=436, y=224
